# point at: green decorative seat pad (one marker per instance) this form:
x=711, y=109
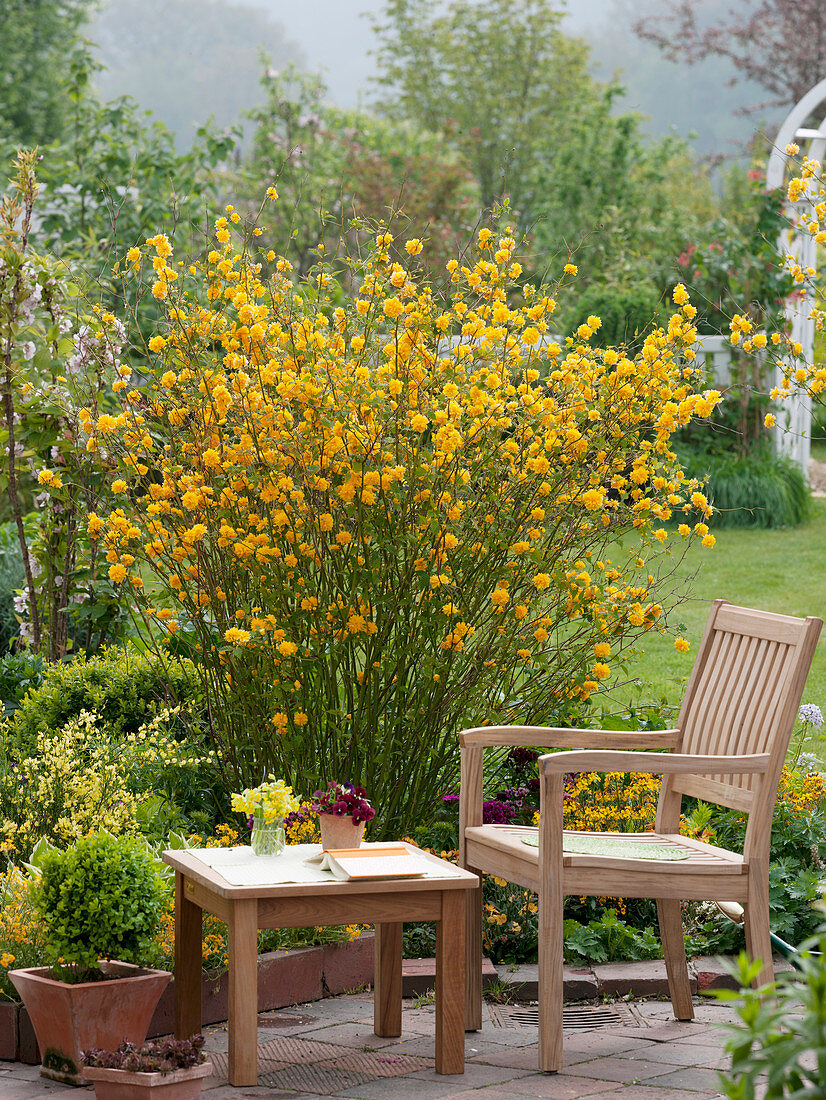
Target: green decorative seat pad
x=611, y=846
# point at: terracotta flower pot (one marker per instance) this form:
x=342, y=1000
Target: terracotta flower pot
x=121, y=1084
x=68, y=1019
x=340, y=832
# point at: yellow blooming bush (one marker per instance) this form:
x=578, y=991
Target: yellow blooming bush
x=375, y=518
x=807, y=190
x=83, y=778
x=612, y=802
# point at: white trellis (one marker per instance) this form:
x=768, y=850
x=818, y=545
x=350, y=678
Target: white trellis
x=795, y=440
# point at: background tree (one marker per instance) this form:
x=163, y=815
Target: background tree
x=439, y=68
x=778, y=44
x=36, y=39
x=333, y=168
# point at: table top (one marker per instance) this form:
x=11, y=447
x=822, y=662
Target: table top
x=444, y=876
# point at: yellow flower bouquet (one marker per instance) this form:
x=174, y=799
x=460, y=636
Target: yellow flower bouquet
x=266, y=806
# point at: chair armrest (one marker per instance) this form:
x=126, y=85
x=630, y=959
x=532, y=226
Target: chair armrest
x=546, y=736
x=655, y=763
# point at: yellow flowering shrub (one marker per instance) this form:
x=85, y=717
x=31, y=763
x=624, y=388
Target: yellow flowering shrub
x=807, y=190
x=84, y=777
x=615, y=802
x=386, y=515
x=21, y=935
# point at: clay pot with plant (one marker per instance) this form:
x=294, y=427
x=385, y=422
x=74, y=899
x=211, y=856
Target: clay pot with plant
x=343, y=811
x=162, y=1069
x=99, y=903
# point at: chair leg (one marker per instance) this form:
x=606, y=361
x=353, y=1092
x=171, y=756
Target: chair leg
x=676, y=967
x=473, y=959
x=550, y=982
x=756, y=923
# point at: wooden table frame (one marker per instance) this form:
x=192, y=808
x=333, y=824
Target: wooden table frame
x=386, y=904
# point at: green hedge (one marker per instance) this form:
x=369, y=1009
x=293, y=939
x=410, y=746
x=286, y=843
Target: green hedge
x=123, y=687
x=759, y=490
x=627, y=314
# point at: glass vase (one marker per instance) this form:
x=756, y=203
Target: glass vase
x=267, y=836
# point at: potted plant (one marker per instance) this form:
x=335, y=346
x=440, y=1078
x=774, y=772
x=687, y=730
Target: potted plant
x=343, y=811
x=99, y=903
x=163, y=1069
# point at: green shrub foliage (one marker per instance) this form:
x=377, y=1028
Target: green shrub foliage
x=779, y=1047
x=122, y=687
x=101, y=899
x=759, y=489
x=627, y=313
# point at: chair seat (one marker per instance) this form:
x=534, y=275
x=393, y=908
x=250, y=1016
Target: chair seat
x=501, y=850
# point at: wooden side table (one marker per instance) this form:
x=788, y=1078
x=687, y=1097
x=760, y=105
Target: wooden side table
x=440, y=896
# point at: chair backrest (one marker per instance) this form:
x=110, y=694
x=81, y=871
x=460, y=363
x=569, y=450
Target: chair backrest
x=742, y=697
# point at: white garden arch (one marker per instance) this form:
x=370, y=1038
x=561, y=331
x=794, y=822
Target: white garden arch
x=795, y=440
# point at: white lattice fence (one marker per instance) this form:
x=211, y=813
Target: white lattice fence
x=792, y=434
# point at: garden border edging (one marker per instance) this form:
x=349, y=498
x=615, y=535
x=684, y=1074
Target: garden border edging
x=284, y=978
x=307, y=974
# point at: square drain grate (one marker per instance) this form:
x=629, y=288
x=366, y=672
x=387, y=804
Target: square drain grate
x=574, y=1018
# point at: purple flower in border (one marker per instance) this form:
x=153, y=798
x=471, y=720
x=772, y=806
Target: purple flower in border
x=497, y=813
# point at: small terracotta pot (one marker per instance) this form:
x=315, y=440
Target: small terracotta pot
x=121, y=1084
x=340, y=832
x=68, y=1019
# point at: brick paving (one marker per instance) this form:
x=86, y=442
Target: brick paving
x=328, y=1049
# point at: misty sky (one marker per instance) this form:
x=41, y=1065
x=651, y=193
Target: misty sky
x=335, y=35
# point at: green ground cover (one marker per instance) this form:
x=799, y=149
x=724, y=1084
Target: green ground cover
x=782, y=571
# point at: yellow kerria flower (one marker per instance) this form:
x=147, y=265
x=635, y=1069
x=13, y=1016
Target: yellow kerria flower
x=681, y=645
x=117, y=573
x=541, y=581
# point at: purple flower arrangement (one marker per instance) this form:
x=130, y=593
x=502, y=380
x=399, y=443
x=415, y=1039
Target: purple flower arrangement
x=344, y=800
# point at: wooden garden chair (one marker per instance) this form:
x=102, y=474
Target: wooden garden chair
x=729, y=746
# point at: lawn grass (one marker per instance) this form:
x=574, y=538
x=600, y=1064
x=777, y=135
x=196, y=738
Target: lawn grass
x=782, y=571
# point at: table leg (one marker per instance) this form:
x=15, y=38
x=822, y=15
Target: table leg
x=242, y=1025
x=188, y=929
x=387, y=980
x=450, y=983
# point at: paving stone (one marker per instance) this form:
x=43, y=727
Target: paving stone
x=621, y=1070
x=558, y=1086
x=476, y=1075
x=228, y=1092
x=355, y=1035
x=653, y=1092
x=690, y=1077
x=669, y=1031
x=405, y=1088
x=666, y=1060
x=549, y=1086
x=603, y=1043
x=685, y=1054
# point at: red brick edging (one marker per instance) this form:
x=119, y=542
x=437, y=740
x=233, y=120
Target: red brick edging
x=284, y=978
